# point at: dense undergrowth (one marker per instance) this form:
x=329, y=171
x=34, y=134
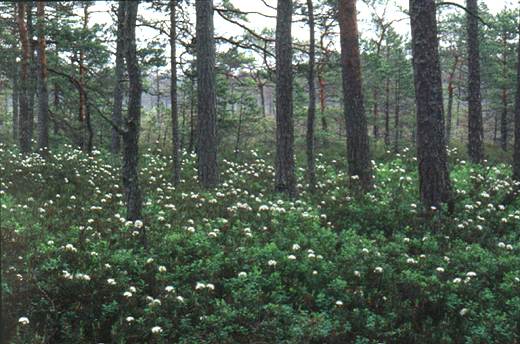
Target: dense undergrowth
x=241, y=264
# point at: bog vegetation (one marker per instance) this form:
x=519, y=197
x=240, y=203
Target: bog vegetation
x=165, y=181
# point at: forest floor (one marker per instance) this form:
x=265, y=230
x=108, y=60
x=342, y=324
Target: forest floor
x=241, y=264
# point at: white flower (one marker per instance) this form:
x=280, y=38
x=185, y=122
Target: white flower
x=162, y=268
x=501, y=245
x=439, y=269
x=357, y=273
x=111, y=281
x=291, y=257
x=463, y=311
x=180, y=298
x=457, y=280
x=339, y=303
x=378, y=270
x=129, y=319
x=157, y=330
x=242, y=274
x=132, y=289
x=23, y=321
x=509, y=247
x=149, y=261
x=169, y=289
x=138, y=224
x=200, y=286
x=272, y=262
x=295, y=247
x=127, y=294
x=471, y=274
x=70, y=247
x=210, y=286
x=411, y=261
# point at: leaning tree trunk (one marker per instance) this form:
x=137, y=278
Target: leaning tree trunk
x=133, y=119
x=117, y=110
x=206, y=94
x=24, y=117
x=43, y=97
x=284, y=168
x=475, y=126
x=516, y=152
x=358, y=150
x=311, y=114
x=434, y=182
x=176, y=154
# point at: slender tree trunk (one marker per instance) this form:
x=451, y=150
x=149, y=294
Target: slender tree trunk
x=450, y=99
x=206, y=105
x=516, y=152
x=117, y=110
x=387, y=106
x=475, y=127
x=133, y=119
x=284, y=167
x=191, y=142
x=375, y=95
x=56, y=102
x=24, y=119
x=32, y=81
x=176, y=153
x=503, y=121
x=358, y=150
x=397, y=110
x=239, y=130
x=15, y=96
x=43, y=97
x=262, y=97
x=434, y=182
x=311, y=114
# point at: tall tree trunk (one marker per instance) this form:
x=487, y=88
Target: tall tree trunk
x=191, y=143
x=32, y=81
x=387, y=105
x=206, y=105
x=397, y=110
x=311, y=114
x=239, y=130
x=86, y=134
x=375, y=95
x=133, y=119
x=284, y=167
x=434, y=182
x=358, y=150
x=475, y=126
x=24, y=119
x=503, y=121
x=516, y=152
x=176, y=153
x=43, y=97
x=450, y=99
x=15, y=97
x=117, y=110
x=56, y=102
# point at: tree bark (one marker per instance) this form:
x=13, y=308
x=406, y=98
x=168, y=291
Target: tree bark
x=31, y=80
x=284, y=168
x=516, y=152
x=358, y=150
x=176, y=153
x=311, y=113
x=434, y=182
x=117, y=110
x=43, y=97
x=475, y=127
x=387, y=105
x=133, y=118
x=206, y=94
x=397, y=114
x=450, y=99
x=503, y=118
x=24, y=117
